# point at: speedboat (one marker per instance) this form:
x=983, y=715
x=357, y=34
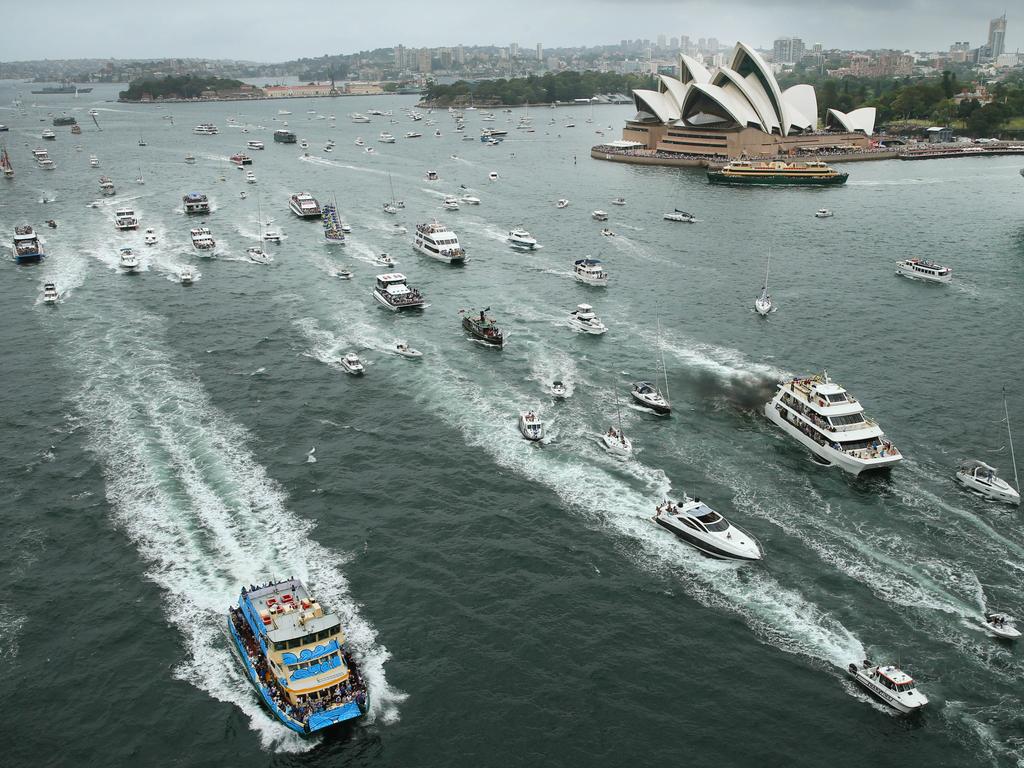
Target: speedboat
x=707, y=531
x=619, y=201
x=823, y=213
x=562, y=203
x=450, y=203
x=979, y=477
x=647, y=395
x=890, y=684
x=521, y=239
x=386, y=138
x=413, y=134
x=351, y=363
x=558, y=390
x=272, y=236
x=493, y=175
x=150, y=238
x=189, y=160
x=616, y=442
x=359, y=141
x=94, y=162
x=1001, y=625
x=924, y=269
x=128, y=260
x=432, y=176
x=403, y=349
x=607, y=232
x=256, y=255
x=599, y=216
x=590, y=271
x=186, y=276
x=470, y=199
x=50, y=294
x=384, y=260
x=678, y=215
x=531, y=426
x=584, y=320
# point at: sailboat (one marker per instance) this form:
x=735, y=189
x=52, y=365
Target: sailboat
x=256, y=253
x=979, y=477
x=332, y=225
x=92, y=114
x=394, y=205
x=763, y=303
x=5, y=163
x=141, y=179
x=615, y=440
x=647, y=394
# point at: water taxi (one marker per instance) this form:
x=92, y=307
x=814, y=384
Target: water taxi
x=891, y=685
x=295, y=655
x=777, y=172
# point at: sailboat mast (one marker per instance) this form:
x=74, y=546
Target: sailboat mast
x=664, y=370
x=767, y=267
x=1009, y=434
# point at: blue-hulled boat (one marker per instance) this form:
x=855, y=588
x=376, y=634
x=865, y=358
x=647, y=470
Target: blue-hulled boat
x=295, y=655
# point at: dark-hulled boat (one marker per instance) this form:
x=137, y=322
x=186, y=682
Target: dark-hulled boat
x=483, y=328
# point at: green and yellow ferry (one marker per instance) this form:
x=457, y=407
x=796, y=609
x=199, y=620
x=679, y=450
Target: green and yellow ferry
x=295, y=656
x=812, y=172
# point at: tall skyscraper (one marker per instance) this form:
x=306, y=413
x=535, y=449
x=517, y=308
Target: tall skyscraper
x=423, y=60
x=460, y=55
x=789, y=50
x=997, y=36
x=712, y=45
x=540, y=52
x=513, y=50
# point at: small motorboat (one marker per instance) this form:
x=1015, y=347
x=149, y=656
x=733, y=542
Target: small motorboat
x=150, y=236
x=347, y=228
x=450, y=203
x=343, y=274
x=186, y=276
x=493, y=175
x=50, y=294
x=607, y=232
x=599, y=216
x=359, y=141
x=707, y=531
x=558, y=390
x=1001, y=625
x=432, y=176
x=531, y=426
x=822, y=213
x=304, y=144
x=128, y=260
x=352, y=364
x=647, y=395
x=272, y=236
x=403, y=349
x=256, y=255
x=616, y=443
x=189, y=160
x=890, y=684
x=584, y=320
x=562, y=203
x=51, y=223
x=384, y=260
x=677, y=215
x=619, y=201
x=243, y=194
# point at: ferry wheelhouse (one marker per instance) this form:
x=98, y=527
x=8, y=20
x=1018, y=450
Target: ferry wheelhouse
x=434, y=239
x=196, y=202
x=27, y=247
x=392, y=291
x=827, y=420
x=923, y=269
x=284, y=137
x=304, y=205
x=295, y=655
x=777, y=172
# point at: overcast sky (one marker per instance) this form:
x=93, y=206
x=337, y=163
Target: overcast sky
x=277, y=30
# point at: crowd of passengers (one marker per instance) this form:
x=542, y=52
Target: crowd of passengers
x=878, y=448
x=352, y=689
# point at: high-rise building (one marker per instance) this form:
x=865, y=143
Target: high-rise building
x=673, y=43
x=513, y=50
x=997, y=36
x=661, y=41
x=789, y=50
x=423, y=60
x=445, y=58
x=540, y=52
x=702, y=44
x=712, y=45
x=460, y=55
x=400, y=56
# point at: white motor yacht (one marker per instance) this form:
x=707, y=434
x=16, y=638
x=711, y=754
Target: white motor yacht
x=94, y=161
x=677, y=215
x=531, y=426
x=562, y=203
x=590, y=271
x=435, y=240
x=923, y=269
x=272, y=236
x=359, y=118
x=584, y=320
x=413, y=134
x=827, y=420
x=1001, y=625
x=558, y=390
x=616, y=443
x=707, y=531
x=352, y=364
x=253, y=144
x=469, y=199
x=384, y=260
x=979, y=477
x=402, y=348
x=450, y=203
x=250, y=177
x=50, y=294
x=647, y=395
x=386, y=138
x=124, y=219
x=493, y=175
x=521, y=239
x=359, y=141
x=128, y=261
x=150, y=237
x=890, y=684
x=343, y=273
x=823, y=213
x=599, y=216
x=186, y=276
x=432, y=176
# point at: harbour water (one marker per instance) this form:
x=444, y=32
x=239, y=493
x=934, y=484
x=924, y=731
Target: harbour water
x=511, y=604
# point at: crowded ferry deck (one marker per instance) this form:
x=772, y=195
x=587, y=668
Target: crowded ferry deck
x=296, y=657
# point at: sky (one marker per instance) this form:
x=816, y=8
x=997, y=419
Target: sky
x=279, y=30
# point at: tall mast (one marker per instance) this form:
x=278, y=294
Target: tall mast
x=1009, y=434
x=664, y=370
x=768, y=266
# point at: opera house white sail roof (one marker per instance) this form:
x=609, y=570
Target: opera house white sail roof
x=744, y=94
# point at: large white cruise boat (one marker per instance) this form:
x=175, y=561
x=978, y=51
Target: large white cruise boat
x=205, y=129
x=124, y=218
x=202, y=241
x=828, y=421
x=437, y=241
x=923, y=269
x=393, y=292
x=304, y=205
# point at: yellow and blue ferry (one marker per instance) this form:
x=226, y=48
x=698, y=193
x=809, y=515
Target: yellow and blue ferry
x=295, y=655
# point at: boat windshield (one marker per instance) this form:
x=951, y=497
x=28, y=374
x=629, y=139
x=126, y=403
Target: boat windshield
x=711, y=519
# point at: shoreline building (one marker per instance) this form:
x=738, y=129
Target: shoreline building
x=738, y=110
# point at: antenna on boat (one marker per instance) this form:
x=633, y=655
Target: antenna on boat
x=1009, y=435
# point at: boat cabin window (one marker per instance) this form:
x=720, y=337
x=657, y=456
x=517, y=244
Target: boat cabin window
x=713, y=521
x=853, y=418
x=839, y=398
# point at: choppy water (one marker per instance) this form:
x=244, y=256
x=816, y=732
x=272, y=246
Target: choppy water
x=511, y=604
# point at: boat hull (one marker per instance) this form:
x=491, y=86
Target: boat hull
x=657, y=408
x=393, y=307
x=769, y=179
x=475, y=332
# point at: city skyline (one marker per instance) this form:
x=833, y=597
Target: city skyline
x=74, y=30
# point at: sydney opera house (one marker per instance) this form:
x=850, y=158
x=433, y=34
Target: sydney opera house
x=738, y=110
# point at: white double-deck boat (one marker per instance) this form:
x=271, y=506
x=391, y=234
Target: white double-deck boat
x=150, y=237
x=49, y=134
x=124, y=219
x=128, y=260
x=923, y=269
x=393, y=292
x=254, y=144
x=205, y=129
x=823, y=417
x=352, y=364
x=195, y=202
x=450, y=203
x=531, y=426
x=304, y=205
x=521, y=239
x=202, y=241
x=707, y=531
x=435, y=240
x=590, y=271
x=889, y=684
x=599, y=216
x=50, y=294
x=584, y=320
x=1001, y=625
x=386, y=138
x=107, y=187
